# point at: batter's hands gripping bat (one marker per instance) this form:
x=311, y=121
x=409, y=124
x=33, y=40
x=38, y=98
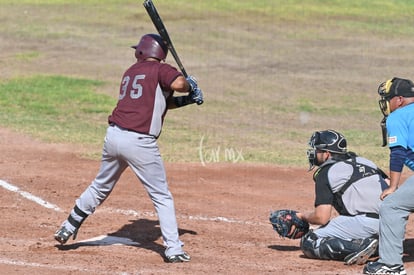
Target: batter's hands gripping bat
x=159, y=25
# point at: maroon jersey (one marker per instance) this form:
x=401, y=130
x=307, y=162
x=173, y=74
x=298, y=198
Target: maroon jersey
x=144, y=90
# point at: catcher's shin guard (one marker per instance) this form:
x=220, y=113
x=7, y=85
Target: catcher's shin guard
x=328, y=248
x=309, y=245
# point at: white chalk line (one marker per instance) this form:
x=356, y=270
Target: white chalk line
x=22, y=263
x=134, y=213
x=55, y=267
x=184, y=217
x=29, y=196
x=129, y=212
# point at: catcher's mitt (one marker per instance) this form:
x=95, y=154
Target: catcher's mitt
x=283, y=220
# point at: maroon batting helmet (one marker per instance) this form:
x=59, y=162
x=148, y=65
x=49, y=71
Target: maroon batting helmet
x=151, y=45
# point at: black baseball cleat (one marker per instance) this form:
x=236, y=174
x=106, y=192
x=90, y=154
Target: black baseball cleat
x=62, y=235
x=368, y=247
x=179, y=258
x=380, y=268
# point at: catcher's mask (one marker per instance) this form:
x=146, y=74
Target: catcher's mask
x=151, y=45
x=328, y=140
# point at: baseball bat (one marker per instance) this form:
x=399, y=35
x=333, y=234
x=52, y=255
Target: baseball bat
x=159, y=25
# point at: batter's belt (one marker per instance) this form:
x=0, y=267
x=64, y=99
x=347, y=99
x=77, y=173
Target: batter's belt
x=128, y=130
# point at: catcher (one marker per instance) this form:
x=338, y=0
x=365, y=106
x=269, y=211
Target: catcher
x=351, y=185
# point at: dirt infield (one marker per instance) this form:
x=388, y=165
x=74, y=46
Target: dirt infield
x=222, y=212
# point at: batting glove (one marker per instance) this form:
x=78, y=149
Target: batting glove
x=192, y=81
x=197, y=96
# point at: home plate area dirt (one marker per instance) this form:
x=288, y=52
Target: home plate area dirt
x=222, y=212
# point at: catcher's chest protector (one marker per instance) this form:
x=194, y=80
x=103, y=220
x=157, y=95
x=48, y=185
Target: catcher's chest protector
x=359, y=171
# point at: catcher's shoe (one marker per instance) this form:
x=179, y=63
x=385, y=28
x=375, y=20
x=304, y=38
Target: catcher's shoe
x=380, y=268
x=368, y=247
x=62, y=235
x=184, y=257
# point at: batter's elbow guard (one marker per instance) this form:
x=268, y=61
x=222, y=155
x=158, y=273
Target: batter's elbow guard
x=181, y=101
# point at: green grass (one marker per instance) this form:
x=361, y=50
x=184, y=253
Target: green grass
x=55, y=108
x=272, y=71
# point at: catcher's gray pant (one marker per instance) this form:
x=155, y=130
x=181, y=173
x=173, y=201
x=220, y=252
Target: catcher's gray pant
x=394, y=212
x=349, y=228
x=140, y=152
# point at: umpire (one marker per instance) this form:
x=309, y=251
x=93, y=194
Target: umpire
x=350, y=184
x=396, y=103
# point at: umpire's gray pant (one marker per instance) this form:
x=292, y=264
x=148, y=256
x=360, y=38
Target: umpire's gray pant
x=394, y=212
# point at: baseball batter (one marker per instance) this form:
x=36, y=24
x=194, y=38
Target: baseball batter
x=146, y=92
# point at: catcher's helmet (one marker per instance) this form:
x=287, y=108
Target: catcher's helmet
x=151, y=45
x=328, y=140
